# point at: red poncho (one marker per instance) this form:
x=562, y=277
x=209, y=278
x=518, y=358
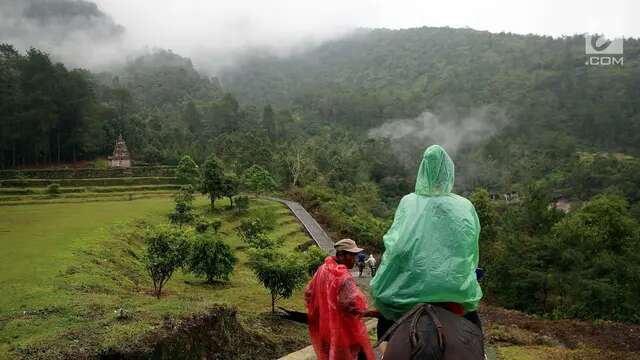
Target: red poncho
x=335, y=307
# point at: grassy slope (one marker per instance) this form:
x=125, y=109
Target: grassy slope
x=65, y=269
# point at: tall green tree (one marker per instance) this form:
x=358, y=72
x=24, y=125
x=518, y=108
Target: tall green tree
x=269, y=121
x=192, y=118
x=230, y=187
x=187, y=171
x=212, y=179
x=258, y=179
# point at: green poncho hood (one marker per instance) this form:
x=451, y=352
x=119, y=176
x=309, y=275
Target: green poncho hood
x=431, y=249
x=436, y=174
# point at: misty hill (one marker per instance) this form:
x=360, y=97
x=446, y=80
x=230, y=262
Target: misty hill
x=162, y=78
x=541, y=83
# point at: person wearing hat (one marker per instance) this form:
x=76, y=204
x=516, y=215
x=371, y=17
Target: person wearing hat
x=336, y=307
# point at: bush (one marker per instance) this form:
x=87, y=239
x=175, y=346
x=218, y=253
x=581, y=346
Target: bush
x=242, y=204
x=53, y=189
x=314, y=257
x=203, y=225
x=280, y=274
x=183, y=213
x=253, y=232
x=212, y=258
x=167, y=250
x=100, y=164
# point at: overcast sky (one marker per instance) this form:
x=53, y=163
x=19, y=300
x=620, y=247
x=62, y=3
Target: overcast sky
x=255, y=21
x=202, y=28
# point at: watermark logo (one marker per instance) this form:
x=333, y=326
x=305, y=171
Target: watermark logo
x=603, y=52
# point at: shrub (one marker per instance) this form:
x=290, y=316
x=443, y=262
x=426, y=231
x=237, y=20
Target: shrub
x=203, y=225
x=167, y=250
x=100, y=164
x=53, y=189
x=253, y=232
x=212, y=258
x=242, y=204
x=183, y=213
x=280, y=274
x=216, y=225
x=314, y=257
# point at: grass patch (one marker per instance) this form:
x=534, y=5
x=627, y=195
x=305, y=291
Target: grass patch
x=72, y=277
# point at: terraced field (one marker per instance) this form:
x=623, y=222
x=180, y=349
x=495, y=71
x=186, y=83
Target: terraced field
x=85, y=185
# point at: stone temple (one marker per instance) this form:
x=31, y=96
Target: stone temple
x=120, y=158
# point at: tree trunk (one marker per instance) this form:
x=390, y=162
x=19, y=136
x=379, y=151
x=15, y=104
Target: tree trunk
x=231, y=202
x=213, y=201
x=273, y=303
x=58, y=141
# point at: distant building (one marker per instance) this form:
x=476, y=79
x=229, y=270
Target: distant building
x=120, y=158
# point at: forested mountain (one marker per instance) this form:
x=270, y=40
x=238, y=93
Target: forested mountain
x=162, y=78
x=374, y=75
x=547, y=105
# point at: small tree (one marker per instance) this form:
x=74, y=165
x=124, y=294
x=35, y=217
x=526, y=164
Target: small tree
x=183, y=213
x=258, y=179
x=253, y=232
x=167, y=250
x=280, y=274
x=212, y=258
x=187, y=171
x=230, y=187
x=212, y=179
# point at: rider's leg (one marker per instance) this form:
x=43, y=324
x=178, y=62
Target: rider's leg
x=474, y=318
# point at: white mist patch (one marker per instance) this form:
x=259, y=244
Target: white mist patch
x=451, y=133
x=455, y=132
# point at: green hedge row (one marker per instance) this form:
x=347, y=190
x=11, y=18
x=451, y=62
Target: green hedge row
x=118, y=181
x=82, y=196
x=63, y=200
x=143, y=171
x=105, y=189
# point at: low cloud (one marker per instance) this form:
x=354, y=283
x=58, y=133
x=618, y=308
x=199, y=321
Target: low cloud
x=451, y=131
x=76, y=32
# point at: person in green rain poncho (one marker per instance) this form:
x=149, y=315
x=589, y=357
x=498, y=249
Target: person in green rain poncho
x=431, y=249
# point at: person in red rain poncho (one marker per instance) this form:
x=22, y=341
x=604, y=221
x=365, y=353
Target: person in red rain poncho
x=336, y=306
